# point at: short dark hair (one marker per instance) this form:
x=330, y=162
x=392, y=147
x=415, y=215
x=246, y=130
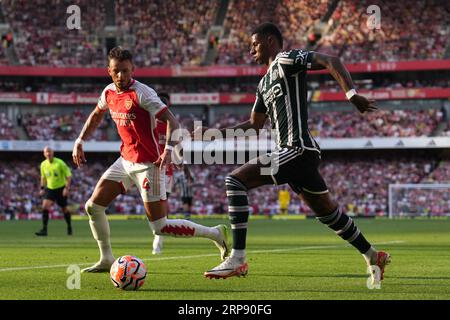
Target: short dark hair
x=120, y=54
x=268, y=28
x=164, y=96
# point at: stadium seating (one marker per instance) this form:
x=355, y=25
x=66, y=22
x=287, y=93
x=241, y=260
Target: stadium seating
x=351, y=39
x=384, y=123
x=167, y=32
x=44, y=126
x=43, y=39
x=7, y=130
x=363, y=192
x=174, y=33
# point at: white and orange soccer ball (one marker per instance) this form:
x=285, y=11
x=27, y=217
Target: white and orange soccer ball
x=128, y=273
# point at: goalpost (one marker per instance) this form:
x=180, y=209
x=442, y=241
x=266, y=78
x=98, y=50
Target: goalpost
x=422, y=199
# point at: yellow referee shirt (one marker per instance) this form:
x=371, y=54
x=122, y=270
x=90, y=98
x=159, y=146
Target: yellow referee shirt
x=55, y=173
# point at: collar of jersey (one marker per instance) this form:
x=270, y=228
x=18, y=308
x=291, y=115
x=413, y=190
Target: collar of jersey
x=274, y=60
x=131, y=84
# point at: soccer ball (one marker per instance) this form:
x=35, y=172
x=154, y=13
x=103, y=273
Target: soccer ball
x=128, y=273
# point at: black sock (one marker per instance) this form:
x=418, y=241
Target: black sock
x=346, y=229
x=68, y=218
x=44, y=219
x=237, y=210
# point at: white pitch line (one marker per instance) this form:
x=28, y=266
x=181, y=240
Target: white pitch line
x=199, y=256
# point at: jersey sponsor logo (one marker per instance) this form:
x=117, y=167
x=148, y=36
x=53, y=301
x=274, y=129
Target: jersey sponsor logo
x=123, y=115
x=123, y=119
x=274, y=75
x=128, y=104
x=146, y=184
x=273, y=93
x=301, y=55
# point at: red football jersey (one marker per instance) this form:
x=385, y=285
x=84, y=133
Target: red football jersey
x=135, y=112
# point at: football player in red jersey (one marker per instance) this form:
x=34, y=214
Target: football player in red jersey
x=135, y=107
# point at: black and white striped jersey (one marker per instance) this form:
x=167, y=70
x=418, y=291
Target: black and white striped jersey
x=183, y=184
x=282, y=95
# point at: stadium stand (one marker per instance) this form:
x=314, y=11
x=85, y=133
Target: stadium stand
x=39, y=40
x=43, y=126
x=167, y=32
x=385, y=123
x=175, y=35
x=350, y=38
x=363, y=192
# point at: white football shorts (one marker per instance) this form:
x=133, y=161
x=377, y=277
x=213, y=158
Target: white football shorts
x=147, y=177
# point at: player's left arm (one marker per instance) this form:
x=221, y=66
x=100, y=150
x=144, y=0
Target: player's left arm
x=320, y=61
x=172, y=125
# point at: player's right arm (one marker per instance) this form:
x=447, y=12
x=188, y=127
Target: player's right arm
x=89, y=127
x=43, y=181
x=256, y=121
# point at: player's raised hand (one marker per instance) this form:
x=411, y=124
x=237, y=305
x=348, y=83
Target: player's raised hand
x=78, y=155
x=363, y=104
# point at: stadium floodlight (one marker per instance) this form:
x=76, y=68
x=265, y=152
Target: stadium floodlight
x=422, y=199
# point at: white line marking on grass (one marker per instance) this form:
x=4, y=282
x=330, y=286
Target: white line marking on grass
x=200, y=256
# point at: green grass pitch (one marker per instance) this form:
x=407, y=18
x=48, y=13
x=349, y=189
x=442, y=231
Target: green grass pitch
x=288, y=260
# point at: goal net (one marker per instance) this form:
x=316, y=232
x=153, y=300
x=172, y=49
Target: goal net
x=419, y=200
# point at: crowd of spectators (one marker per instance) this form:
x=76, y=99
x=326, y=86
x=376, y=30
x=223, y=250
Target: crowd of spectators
x=422, y=202
x=359, y=184
x=241, y=85
x=351, y=124
x=296, y=18
x=241, y=18
x=426, y=201
x=167, y=32
x=384, y=123
x=7, y=129
x=42, y=37
x=412, y=30
x=47, y=126
x=323, y=124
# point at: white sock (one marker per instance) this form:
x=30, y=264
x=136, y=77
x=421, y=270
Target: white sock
x=370, y=256
x=238, y=254
x=157, y=242
x=183, y=228
x=100, y=230
x=157, y=239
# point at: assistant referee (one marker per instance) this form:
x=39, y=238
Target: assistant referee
x=55, y=185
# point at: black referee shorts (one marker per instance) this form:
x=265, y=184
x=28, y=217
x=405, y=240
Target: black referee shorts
x=56, y=195
x=297, y=167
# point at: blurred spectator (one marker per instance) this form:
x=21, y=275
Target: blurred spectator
x=363, y=192
x=7, y=130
